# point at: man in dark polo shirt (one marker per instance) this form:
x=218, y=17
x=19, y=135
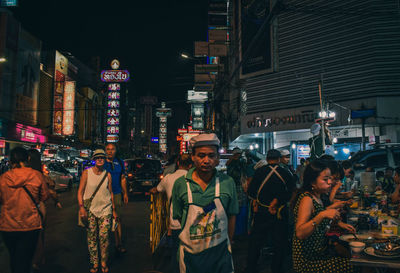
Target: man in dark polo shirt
x=271, y=189
x=116, y=168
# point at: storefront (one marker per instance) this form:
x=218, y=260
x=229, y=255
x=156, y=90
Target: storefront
x=290, y=128
x=14, y=134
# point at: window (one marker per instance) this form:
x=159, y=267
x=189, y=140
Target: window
x=396, y=156
x=375, y=159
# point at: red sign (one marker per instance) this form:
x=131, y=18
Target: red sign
x=30, y=134
x=115, y=75
x=2, y=143
x=112, y=138
x=113, y=121
x=114, y=87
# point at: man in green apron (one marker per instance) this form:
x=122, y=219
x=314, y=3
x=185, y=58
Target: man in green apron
x=205, y=203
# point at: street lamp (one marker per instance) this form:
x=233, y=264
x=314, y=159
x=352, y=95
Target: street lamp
x=183, y=55
x=3, y=60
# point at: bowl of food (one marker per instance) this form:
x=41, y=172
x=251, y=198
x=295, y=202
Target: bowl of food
x=356, y=246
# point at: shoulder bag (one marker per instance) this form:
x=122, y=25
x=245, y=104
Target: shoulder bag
x=40, y=207
x=88, y=202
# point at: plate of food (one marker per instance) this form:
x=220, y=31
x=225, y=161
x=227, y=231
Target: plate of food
x=384, y=250
x=365, y=238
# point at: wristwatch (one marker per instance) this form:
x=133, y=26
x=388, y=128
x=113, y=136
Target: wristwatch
x=314, y=224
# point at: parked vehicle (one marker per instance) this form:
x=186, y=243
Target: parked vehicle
x=61, y=176
x=143, y=174
x=382, y=156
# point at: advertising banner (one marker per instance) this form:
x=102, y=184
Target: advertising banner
x=217, y=35
x=206, y=68
x=204, y=78
x=61, y=71
x=218, y=50
x=252, y=15
x=194, y=96
x=200, y=49
x=27, y=91
x=69, y=108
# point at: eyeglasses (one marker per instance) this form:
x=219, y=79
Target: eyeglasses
x=100, y=157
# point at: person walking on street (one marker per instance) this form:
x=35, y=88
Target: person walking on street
x=21, y=191
x=96, y=206
x=270, y=190
x=236, y=168
x=205, y=203
x=35, y=162
x=115, y=166
x=184, y=163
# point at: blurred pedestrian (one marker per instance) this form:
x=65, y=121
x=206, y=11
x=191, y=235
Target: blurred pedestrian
x=270, y=190
x=205, y=203
x=21, y=191
x=236, y=168
x=396, y=194
x=34, y=162
x=170, y=167
x=115, y=166
x=387, y=183
x=96, y=206
x=166, y=185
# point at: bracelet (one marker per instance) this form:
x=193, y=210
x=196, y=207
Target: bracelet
x=313, y=223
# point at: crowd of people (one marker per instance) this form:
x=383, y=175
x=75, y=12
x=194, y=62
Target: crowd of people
x=296, y=212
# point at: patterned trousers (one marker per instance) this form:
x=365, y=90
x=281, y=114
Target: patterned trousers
x=98, y=236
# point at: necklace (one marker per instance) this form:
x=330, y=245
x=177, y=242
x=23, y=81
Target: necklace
x=316, y=198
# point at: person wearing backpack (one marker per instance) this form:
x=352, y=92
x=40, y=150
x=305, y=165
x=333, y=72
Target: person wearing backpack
x=21, y=191
x=96, y=209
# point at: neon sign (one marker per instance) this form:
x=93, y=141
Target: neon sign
x=29, y=134
x=69, y=107
x=115, y=75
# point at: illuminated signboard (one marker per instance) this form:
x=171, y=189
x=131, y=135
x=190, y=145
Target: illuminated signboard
x=115, y=75
x=114, y=95
x=30, y=134
x=113, y=104
x=69, y=107
x=113, y=121
x=113, y=112
x=9, y=3
x=112, y=138
x=154, y=139
x=114, y=87
x=112, y=130
x=2, y=143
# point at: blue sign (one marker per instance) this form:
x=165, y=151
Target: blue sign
x=9, y=3
x=154, y=139
x=363, y=113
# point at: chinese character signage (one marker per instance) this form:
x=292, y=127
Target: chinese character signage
x=69, y=108
x=163, y=113
x=113, y=78
x=61, y=71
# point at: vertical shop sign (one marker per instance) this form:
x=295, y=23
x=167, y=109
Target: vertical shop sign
x=163, y=113
x=113, y=77
x=69, y=108
x=61, y=71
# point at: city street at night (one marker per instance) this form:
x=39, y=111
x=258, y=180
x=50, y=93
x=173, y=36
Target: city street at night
x=199, y=136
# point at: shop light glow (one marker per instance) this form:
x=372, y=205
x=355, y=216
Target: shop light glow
x=334, y=140
x=251, y=147
x=294, y=146
x=222, y=150
x=256, y=146
x=335, y=152
x=346, y=150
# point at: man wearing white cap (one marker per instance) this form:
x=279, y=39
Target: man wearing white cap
x=205, y=203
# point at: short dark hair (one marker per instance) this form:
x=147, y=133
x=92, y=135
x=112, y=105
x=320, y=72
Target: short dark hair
x=184, y=160
x=34, y=160
x=379, y=174
x=352, y=172
x=302, y=160
x=18, y=155
x=397, y=170
x=327, y=157
x=346, y=164
x=335, y=168
x=389, y=169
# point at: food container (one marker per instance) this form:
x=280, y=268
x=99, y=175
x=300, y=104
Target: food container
x=389, y=229
x=356, y=247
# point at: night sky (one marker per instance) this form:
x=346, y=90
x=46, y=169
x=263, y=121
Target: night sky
x=146, y=36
